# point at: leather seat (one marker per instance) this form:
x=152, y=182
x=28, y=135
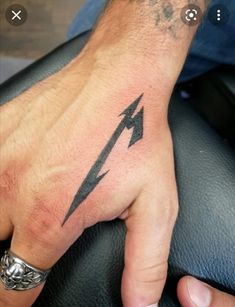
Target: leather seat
x=203, y=244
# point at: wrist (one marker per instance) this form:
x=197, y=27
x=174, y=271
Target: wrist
x=123, y=69
x=153, y=35
x=108, y=79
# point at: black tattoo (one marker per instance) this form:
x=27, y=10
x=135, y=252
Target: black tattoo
x=167, y=9
x=153, y=2
x=164, y=16
x=157, y=18
x=167, y=15
x=93, y=178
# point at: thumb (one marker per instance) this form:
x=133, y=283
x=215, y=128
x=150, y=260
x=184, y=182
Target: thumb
x=194, y=293
x=149, y=227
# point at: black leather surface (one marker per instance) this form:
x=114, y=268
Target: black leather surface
x=213, y=96
x=89, y=274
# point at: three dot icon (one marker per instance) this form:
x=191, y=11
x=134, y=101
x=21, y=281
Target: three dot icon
x=218, y=15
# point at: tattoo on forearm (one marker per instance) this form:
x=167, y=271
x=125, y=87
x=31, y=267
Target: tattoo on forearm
x=166, y=13
x=153, y=2
x=93, y=178
x=167, y=9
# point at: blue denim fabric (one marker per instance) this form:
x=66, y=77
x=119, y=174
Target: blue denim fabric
x=213, y=45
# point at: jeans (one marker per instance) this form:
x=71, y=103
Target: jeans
x=212, y=45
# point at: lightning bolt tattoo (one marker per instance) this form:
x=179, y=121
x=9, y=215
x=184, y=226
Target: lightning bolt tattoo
x=93, y=178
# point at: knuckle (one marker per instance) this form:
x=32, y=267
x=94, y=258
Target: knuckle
x=171, y=210
x=8, y=181
x=154, y=273
x=43, y=224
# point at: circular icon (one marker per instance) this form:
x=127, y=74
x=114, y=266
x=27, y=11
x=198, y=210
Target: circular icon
x=218, y=14
x=191, y=15
x=16, y=14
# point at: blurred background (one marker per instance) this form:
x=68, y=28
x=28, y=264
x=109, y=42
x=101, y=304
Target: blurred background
x=45, y=28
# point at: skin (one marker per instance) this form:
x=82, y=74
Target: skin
x=93, y=178
x=52, y=134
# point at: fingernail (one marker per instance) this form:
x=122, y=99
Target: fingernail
x=153, y=305
x=199, y=293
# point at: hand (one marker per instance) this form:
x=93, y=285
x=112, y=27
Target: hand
x=194, y=293
x=53, y=134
